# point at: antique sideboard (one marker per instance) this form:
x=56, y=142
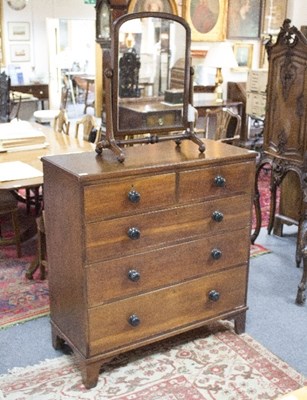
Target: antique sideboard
x=145, y=249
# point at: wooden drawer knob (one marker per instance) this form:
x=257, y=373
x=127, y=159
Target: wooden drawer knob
x=217, y=216
x=219, y=181
x=134, y=320
x=216, y=254
x=134, y=196
x=214, y=295
x=134, y=275
x=134, y=233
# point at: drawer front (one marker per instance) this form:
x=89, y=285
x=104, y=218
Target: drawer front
x=109, y=239
x=218, y=181
x=161, y=119
x=39, y=91
x=109, y=199
x=164, y=310
x=141, y=273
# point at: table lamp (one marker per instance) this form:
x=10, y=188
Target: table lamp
x=220, y=56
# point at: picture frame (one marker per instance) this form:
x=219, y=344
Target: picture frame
x=244, y=55
x=20, y=52
x=169, y=6
x=274, y=14
x=19, y=31
x=206, y=19
x=2, y=49
x=244, y=19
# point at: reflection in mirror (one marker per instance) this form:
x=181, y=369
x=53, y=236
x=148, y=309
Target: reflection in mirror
x=148, y=95
x=148, y=82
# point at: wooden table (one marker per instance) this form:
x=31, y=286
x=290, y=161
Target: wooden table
x=58, y=143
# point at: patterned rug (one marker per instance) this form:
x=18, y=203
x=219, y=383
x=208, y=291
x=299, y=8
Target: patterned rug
x=21, y=299
x=193, y=366
x=258, y=250
x=264, y=185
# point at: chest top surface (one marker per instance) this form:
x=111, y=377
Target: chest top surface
x=148, y=159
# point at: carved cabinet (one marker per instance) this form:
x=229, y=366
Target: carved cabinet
x=285, y=137
x=146, y=249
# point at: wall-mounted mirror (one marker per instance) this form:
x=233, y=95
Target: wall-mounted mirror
x=148, y=82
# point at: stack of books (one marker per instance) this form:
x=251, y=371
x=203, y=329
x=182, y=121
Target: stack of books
x=20, y=135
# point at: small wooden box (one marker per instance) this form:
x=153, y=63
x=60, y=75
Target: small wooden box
x=174, y=96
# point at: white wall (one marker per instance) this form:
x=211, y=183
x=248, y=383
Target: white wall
x=36, y=13
x=297, y=12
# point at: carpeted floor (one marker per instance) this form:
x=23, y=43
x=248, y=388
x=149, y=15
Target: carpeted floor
x=204, y=364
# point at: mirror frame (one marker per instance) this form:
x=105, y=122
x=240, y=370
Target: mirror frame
x=116, y=139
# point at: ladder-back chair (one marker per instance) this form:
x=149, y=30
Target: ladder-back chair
x=227, y=125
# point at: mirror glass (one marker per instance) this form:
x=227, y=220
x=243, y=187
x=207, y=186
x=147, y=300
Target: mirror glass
x=151, y=74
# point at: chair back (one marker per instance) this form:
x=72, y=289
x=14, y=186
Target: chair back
x=90, y=131
x=227, y=124
x=129, y=67
x=61, y=123
x=5, y=102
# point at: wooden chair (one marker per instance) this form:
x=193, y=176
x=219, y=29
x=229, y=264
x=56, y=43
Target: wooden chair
x=9, y=205
x=90, y=131
x=227, y=125
x=61, y=123
x=47, y=116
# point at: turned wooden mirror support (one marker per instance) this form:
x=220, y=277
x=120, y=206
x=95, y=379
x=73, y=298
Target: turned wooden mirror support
x=144, y=102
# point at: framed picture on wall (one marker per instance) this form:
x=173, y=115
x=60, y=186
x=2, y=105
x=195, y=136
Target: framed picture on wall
x=244, y=55
x=274, y=15
x=2, y=50
x=169, y=6
x=244, y=19
x=20, y=52
x=206, y=19
x=19, y=31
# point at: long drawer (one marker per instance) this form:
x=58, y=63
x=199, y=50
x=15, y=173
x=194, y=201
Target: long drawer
x=158, y=312
x=143, y=272
x=112, y=238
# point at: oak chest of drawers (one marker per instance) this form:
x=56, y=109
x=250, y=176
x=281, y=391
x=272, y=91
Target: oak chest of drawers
x=147, y=249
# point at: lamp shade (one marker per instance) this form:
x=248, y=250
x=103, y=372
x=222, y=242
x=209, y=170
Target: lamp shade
x=221, y=55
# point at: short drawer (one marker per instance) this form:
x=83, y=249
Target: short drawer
x=141, y=273
x=131, y=320
x=163, y=119
x=138, y=233
x=217, y=181
x=131, y=195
